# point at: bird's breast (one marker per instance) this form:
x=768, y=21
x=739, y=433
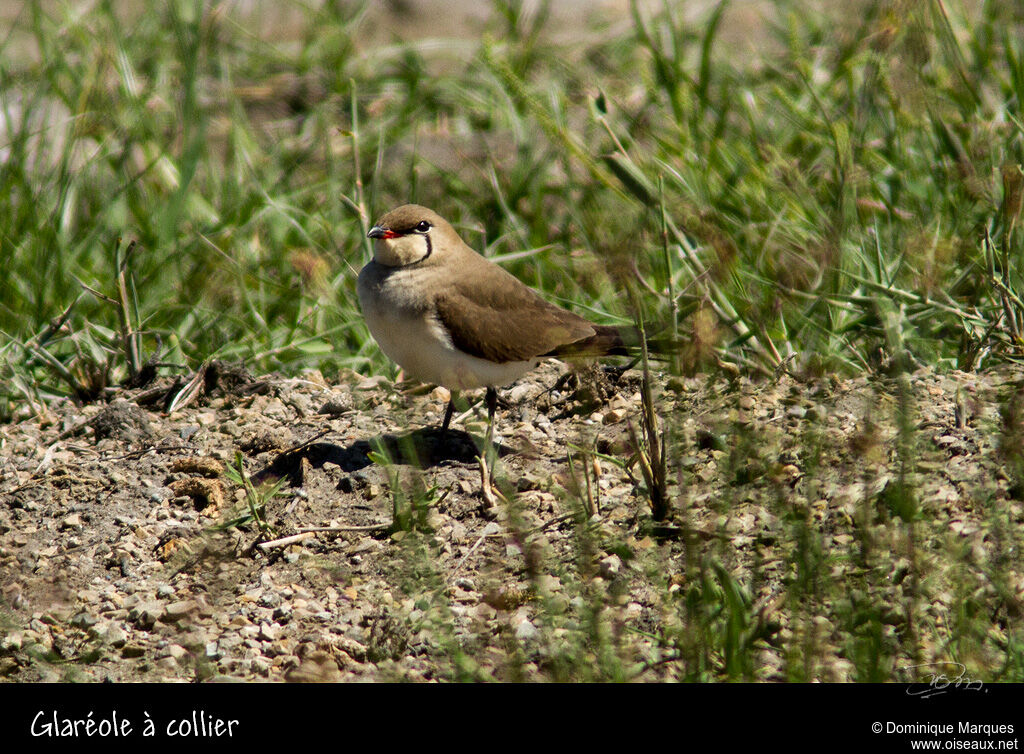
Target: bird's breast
x=400, y=314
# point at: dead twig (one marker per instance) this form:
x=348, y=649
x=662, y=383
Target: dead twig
x=492, y=529
x=304, y=444
x=343, y=529
x=190, y=392
x=285, y=541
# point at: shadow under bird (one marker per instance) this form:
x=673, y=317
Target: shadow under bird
x=450, y=317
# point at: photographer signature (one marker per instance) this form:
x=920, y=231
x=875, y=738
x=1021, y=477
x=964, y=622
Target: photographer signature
x=939, y=683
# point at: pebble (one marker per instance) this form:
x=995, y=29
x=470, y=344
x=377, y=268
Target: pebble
x=337, y=404
x=178, y=610
x=269, y=631
x=610, y=566
x=270, y=599
x=116, y=636
x=167, y=664
x=283, y=614
x=558, y=605
x=521, y=392
x=261, y=666
x=84, y=620
x=146, y=615
x=526, y=631
x=615, y=416
x=372, y=383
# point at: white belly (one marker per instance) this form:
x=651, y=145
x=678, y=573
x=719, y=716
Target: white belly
x=421, y=346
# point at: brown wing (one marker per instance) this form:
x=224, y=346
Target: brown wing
x=501, y=320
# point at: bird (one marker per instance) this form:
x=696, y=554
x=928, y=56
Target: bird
x=448, y=316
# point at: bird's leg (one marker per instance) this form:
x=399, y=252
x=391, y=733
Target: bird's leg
x=448, y=413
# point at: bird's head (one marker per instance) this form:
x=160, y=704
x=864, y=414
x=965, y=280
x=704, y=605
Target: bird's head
x=412, y=234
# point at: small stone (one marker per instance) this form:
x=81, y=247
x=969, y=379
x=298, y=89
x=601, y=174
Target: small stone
x=372, y=383
x=270, y=599
x=614, y=416
x=610, y=566
x=131, y=651
x=117, y=637
x=354, y=649
x=8, y=665
x=521, y=392
x=484, y=613
x=788, y=473
x=167, y=664
x=206, y=418
x=84, y=620
x=283, y=613
x=146, y=615
x=261, y=666
x=178, y=610
x=900, y=570
x=178, y=652
x=709, y=441
x=526, y=631
x=557, y=605
x=317, y=667
x=337, y=404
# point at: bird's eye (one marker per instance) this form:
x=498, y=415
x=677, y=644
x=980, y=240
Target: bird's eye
x=423, y=226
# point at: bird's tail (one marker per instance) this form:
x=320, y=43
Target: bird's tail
x=609, y=340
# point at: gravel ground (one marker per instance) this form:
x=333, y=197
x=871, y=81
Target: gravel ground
x=125, y=554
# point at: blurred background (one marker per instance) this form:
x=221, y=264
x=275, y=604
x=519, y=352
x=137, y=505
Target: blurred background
x=814, y=187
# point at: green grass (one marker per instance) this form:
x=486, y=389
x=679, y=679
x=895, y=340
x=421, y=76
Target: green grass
x=846, y=198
